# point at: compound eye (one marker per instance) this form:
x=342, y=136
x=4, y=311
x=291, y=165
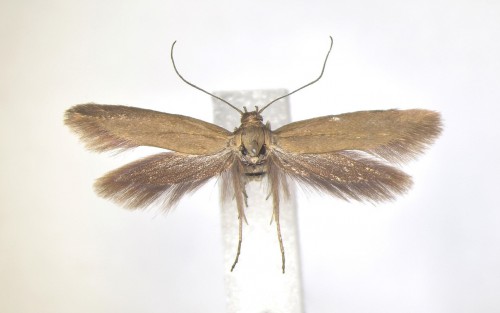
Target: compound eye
x=262, y=150
x=243, y=150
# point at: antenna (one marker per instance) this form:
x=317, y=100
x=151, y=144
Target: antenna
x=267, y=105
x=193, y=85
x=306, y=85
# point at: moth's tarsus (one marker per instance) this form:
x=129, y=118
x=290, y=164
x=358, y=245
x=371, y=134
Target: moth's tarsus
x=240, y=240
x=282, y=248
x=350, y=156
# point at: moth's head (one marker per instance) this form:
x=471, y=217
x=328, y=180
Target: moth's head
x=251, y=118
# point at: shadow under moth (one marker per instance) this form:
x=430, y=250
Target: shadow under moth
x=348, y=155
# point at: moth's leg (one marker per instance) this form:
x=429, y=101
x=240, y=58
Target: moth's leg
x=272, y=215
x=277, y=182
x=243, y=201
x=238, y=193
x=240, y=240
x=281, y=245
x=276, y=214
x=269, y=195
x=245, y=196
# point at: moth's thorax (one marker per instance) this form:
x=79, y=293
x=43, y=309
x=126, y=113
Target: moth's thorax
x=252, y=140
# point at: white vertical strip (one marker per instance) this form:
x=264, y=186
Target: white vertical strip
x=257, y=284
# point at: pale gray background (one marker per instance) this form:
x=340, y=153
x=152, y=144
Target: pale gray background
x=63, y=249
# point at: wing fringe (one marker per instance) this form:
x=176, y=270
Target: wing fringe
x=349, y=175
x=162, y=178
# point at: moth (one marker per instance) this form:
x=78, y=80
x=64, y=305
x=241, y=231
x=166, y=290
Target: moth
x=352, y=156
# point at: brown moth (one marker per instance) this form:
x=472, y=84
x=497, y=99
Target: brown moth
x=348, y=155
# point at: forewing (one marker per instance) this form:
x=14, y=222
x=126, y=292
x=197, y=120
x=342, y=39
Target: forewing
x=347, y=175
x=395, y=135
x=162, y=178
x=109, y=127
